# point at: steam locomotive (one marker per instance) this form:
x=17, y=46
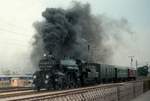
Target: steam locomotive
x=72, y=73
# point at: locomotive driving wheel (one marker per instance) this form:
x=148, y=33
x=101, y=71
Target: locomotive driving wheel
x=59, y=81
x=71, y=81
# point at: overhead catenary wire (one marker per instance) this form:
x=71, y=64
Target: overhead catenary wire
x=16, y=33
x=13, y=25
x=12, y=43
x=16, y=41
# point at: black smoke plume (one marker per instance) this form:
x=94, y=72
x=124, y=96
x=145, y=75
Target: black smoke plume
x=74, y=32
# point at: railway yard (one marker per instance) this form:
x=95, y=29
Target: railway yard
x=104, y=92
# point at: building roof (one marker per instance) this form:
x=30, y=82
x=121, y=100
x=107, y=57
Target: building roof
x=16, y=75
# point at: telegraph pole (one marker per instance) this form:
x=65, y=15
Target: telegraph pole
x=88, y=53
x=136, y=64
x=131, y=57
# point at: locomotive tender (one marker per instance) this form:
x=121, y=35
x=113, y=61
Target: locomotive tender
x=71, y=73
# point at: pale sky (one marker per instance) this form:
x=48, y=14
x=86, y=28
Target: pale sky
x=16, y=30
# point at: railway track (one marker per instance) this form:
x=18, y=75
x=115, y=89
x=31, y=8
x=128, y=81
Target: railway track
x=15, y=93
x=12, y=89
x=38, y=96
x=19, y=93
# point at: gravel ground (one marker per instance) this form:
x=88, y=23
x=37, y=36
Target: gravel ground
x=143, y=97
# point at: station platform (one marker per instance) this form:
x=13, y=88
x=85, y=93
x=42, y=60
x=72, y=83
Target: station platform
x=143, y=97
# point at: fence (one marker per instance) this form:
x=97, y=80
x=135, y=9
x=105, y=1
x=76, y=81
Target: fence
x=124, y=92
x=146, y=85
x=98, y=94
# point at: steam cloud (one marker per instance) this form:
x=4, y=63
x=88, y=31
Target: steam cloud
x=75, y=32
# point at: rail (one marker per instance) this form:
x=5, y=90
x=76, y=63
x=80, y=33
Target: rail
x=12, y=89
